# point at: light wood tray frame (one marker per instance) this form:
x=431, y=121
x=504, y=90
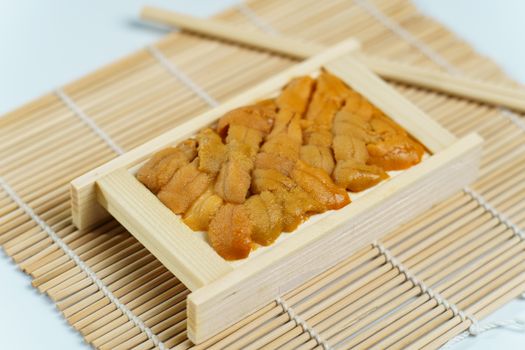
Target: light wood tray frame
x=224, y=292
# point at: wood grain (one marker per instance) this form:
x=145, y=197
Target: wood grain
x=327, y=242
x=456, y=244
x=192, y=260
x=85, y=209
x=223, y=292
x=475, y=90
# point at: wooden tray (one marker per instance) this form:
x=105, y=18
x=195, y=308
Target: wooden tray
x=223, y=292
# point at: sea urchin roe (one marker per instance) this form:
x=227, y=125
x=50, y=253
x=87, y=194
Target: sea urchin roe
x=212, y=152
x=320, y=186
x=160, y=168
x=287, y=123
x=184, y=188
x=230, y=232
x=329, y=96
x=267, y=167
x=248, y=136
x=234, y=177
x=286, y=138
x=265, y=160
x=270, y=180
x=296, y=95
x=395, y=153
x=201, y=212
x=265, y=213
x=356, y=176
x=319, y=157
x=297, y=206
x=255, y=117
x=317, y=135
x=346, y=147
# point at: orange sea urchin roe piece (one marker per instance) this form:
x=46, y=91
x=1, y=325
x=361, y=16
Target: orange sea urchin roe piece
x=230, y=232
x=148, y=173
x=201, y=212
x=395, y=153
x=265, y=213
x=255, y=117
x=286, y=137
x=267, y=167
x=320, y=186
x=234, y=177
x=318, y=157
x=356, y=176
x=270, y=180
x=347, y=147
x=395, y=150
x=296, y=95
x=248, y=136
x=184, y=188
x=160, y=168
x=212, y=152
x=297, y=205
x=265, y=160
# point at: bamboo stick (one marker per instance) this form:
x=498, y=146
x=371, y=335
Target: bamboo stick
x=112, y=97
x=283, y=45
x=431, y=79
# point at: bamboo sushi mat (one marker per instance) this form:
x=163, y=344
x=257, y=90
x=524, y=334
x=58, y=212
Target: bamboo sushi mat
x=418, y=287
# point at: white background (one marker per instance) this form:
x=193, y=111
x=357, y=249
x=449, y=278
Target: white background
x=45, y=44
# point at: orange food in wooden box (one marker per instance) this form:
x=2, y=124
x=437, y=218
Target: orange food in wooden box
x=266, y=168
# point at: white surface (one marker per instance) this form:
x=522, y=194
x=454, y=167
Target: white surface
x=495, y=28
x=44, y=44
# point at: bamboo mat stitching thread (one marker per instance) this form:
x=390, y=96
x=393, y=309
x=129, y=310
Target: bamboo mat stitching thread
x=438, y=59
x=206, y=97
x=427, y=51
x=395, y=28
x=213, y=103
x=504, y=112
x=81, y=264
x=473, y=329
x=406, y=35
x=434, y=56
x=88, y=120
x=181, y=76
x=498, y=215
x=301, y=322
x=255, y=19
x=517, y=324
x=513, y=117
